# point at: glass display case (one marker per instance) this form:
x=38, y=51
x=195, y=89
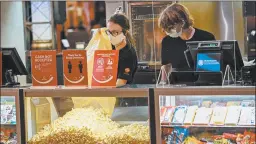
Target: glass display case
x=11, y=127
x=117, y=115
x=205, y=115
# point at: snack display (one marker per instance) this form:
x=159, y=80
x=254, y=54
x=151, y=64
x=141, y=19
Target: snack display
x=179, y=115
x=218, y=104
x=247, y=116
x=248, y=103
x=168, y=114
x=219, y=115
x=8, y=114
x=217, y=120
x=203, y=116
x=191, y=112
x=90, y=126
x=162, y=113
x=192, y=140
x=233, y=103
x=8, y=136
x=178, y=136
x=233, y=114
x=207, y=104
x=251, y=136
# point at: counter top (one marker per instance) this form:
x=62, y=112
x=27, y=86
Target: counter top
x=139, y=90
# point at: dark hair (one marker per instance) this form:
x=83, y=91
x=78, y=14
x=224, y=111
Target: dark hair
x=123, y=21
x=174, y=14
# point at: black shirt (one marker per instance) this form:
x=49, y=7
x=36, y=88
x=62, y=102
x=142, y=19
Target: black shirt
x=173, y=52
x=173, y=48
x=127, y=64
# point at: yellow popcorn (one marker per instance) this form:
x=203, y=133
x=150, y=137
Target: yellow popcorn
x=90, y=126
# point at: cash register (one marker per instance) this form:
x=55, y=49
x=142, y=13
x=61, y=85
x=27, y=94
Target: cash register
x=209, y=60
x=12, y=66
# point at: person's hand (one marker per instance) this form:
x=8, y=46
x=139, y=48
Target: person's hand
x=249, y=63
x=120, y=82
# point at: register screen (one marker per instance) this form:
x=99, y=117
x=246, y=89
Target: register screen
x=209, y=62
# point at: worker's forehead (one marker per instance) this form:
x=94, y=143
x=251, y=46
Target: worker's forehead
x=113, y=26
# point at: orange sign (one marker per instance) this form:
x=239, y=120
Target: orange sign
x=75, y=68
x=1, y=69
x=105, y=68
x=43, y=68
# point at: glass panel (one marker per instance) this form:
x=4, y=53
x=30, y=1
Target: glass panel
x=205, y=118
x=248, y=73
x=251, y=36
x=106, y=117
x=8, y=119
x=145, y=30
x=41, y=11
x=42, y=31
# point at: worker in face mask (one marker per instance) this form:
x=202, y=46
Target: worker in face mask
x=120, y=38
x=177, y=23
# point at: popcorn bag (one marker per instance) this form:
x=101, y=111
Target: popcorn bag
x=99, y=41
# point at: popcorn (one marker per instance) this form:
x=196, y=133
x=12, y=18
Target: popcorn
x=90, y=126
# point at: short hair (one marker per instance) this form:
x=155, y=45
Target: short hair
x=174, y=14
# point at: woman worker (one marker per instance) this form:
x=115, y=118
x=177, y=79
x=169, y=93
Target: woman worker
x=177, y=23
x=118, y=31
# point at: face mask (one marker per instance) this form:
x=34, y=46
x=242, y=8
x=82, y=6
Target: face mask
x=117, y=39
x=174, y=33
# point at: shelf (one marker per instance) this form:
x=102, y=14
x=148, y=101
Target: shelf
x=8, y=125
x=126, y=123
x=206, y=126
x=127, y=91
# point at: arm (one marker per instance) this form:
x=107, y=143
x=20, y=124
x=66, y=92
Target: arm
x=126, y=67
x=164, y=52
x=165, y=61
x=121, y=82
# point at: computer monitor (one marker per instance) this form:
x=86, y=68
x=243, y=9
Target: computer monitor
x=12, y=65
x=77, y=37
x=216, y=54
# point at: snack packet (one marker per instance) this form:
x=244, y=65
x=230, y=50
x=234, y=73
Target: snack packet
x=179, y=115
x=178, y=135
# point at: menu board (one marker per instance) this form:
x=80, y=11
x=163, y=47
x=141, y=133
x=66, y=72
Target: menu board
x=75, y=68
x=43, y=68
x=105, y=68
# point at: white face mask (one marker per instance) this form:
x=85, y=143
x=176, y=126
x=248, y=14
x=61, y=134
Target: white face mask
x=174, y=33
x=115, y=40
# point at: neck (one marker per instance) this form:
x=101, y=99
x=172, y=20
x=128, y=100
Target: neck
x=187, y=33
x=121, y=45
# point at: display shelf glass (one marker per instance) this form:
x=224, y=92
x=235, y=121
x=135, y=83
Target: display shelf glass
x=10, y=122
x=102, y=112
x=8, y=110
x=205, y=114
x=206, y=126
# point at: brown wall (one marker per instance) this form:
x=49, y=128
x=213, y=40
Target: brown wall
x=203, y=13
x=208, y=17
